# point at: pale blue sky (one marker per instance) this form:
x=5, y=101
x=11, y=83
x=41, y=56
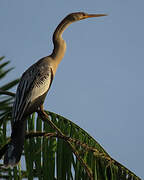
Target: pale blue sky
x=100, y=82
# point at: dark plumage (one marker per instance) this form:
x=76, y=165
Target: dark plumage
x=31, y=92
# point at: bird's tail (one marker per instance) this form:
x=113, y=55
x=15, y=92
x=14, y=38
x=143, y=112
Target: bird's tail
x=15, y=147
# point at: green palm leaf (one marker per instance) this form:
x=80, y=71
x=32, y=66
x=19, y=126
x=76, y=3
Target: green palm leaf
x=71, y=154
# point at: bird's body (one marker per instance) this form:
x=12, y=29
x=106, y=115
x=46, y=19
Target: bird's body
x=33, y=87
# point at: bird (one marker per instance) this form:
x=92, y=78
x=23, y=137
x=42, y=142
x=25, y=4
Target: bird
x=33, y=87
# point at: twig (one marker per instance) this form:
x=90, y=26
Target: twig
x=66, y=138
x=71, y=140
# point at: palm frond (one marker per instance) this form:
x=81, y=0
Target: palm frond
x=5, y=101
x=69, y=153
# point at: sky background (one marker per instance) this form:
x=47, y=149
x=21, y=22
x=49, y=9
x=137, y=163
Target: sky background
x=99, y=84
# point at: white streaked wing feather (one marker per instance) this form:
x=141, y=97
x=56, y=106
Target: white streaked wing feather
x=40, y=90
x=34, y=82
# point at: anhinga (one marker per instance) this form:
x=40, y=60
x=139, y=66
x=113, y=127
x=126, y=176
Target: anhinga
x=33, y=87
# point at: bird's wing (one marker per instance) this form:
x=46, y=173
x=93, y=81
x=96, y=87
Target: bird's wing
x=34, y=82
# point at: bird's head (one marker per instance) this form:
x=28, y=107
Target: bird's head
x=82, y=15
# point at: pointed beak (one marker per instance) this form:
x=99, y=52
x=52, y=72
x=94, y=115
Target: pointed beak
x=94, y=15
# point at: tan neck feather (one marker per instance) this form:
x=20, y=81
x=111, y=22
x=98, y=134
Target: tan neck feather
x=59, y=44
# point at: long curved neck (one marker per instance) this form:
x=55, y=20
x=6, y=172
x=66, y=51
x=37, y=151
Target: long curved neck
x=59, y=43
